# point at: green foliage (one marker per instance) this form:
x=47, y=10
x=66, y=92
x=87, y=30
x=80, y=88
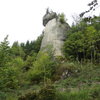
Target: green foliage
x=74, y=43
x=43, y=67
x=83, y=75
x=28, y=96
x=22, y=66
x=96, y=22
x=47, y=93
x=32, y=47
x=17, y=50
x=10, y=75
x=4, y=52
x=35, y=75
x=82, y=94
x=29, y=62
x=62, y=18
x=17, y=63
x=83, y=43
x=8, y=78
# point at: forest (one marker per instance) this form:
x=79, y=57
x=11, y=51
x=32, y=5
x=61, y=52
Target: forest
x=26, y=73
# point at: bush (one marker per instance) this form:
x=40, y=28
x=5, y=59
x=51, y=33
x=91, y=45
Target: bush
x=10, y=74
x=8, y=78
x=95, y=93
x=44, y=66
x=35, y=76
x=29, y=62
x=47, y=93
x=62, y=18
x=68, y=67
x=28, y=96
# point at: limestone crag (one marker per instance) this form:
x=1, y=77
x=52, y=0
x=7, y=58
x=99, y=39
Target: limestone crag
x=48, y=16
x=54, y=34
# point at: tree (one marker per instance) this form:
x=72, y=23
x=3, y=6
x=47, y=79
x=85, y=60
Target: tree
x=17, y=50
x=62, y=18
x=32, y=47
x=83, y=41
x=92, y=6
x=4, y=52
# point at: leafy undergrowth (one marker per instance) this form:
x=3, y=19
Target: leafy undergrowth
x=82, y=75
x=83, y=83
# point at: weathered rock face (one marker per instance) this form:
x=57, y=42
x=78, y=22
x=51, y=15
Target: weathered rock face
x=48, y=16
x=54, y=35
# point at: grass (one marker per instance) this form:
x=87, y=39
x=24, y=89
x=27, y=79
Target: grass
x=87, y=74
x=82, y=85
x=82, y=94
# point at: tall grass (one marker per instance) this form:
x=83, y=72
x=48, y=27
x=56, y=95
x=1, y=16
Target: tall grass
x=83, y=94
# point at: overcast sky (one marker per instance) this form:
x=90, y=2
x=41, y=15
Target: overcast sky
x=22, y=19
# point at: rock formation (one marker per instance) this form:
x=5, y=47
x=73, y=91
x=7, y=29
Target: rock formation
x=48, y=16
x=54, y=33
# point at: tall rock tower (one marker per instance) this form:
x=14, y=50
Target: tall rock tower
x=54, y=33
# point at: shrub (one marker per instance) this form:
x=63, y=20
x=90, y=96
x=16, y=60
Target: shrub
x=47, y=93
x=71, y=68
x=28, y=96
x=62, y=18
x=8, y=78
x=44, y=66
x=35, y=75
x=95, y=93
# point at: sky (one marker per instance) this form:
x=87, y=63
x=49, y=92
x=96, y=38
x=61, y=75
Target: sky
x=22, y=19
